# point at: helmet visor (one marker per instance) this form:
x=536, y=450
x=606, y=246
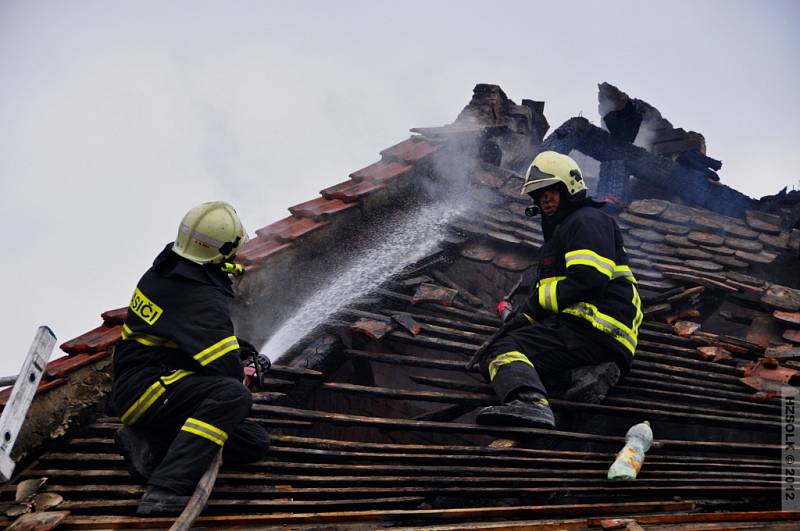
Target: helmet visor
x=537, y=174
x=538, y=179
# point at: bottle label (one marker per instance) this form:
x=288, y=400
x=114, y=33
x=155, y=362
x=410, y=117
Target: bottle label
x=631, y=457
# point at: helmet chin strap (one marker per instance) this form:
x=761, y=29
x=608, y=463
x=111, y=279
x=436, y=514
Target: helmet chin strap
x=232, y=269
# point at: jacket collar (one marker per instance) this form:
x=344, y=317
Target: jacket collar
x=170, y=265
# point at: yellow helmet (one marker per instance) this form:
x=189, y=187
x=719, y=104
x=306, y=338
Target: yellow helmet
x=550, y=167
x=209, y=233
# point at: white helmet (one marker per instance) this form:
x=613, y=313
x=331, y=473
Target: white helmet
x=550, y=167
x=209, y=233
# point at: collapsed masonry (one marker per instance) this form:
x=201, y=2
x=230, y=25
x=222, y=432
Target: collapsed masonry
x=374, y=410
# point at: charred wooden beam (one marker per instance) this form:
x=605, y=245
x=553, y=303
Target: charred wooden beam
x=474, y=399
x=440, y=476
x=655, y=372
x=631, y=387
x=304, y=448
x=454, y=324
x=411, y=361
x=448, y=451
x=304, y=454
x=573, y=471
x=285, y=371
x=444, y=383
x=621, y=407
x=688, y=183
x=772, y=411
x=266, y=492
x=479, y=316
x=455, y=427
x=686, y=358
x=729, y=382
x=231, y=507
x=443, y=515
x=444, y=414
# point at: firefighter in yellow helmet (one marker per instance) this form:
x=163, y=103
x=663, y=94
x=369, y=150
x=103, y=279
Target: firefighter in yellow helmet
x=178, y=375
x=578, y=329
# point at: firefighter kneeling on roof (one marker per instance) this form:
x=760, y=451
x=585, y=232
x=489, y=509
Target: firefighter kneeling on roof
x=178, y=372
x=578, y=330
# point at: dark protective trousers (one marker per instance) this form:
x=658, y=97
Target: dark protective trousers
x=541, y=355
x=196, y=417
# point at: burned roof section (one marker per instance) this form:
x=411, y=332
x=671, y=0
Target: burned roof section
x=372, y=410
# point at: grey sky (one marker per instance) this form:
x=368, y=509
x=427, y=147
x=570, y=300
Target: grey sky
x=116, y=117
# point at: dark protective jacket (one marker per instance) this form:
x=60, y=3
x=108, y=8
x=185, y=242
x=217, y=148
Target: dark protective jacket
x=178, y=323
x=584, y=279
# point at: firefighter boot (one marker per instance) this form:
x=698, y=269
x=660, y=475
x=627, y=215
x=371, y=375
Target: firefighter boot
x=527, y=408
x=157, y=500
x=137, y=452
x=591, y=384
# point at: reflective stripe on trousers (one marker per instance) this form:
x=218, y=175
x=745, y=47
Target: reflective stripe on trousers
x=505, y=359
x=205, y=430
x=150, y=395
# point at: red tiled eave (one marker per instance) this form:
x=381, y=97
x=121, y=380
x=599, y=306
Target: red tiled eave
x=320, y=208
x=290, y=228
x=61, y=367
x=351, y=191
x=381, y=172
x=412, y=150
x=260, y=251
x=101, y=338
x=114, y=317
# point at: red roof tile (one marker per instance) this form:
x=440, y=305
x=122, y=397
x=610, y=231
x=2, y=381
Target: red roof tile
x=101, y=338
x=258, y=253
x=290, y=229
x=254, y=244
x=61, y=367
x=372, y=328
x=113, y=317
x=381, y=172
x=320, y=208
x=412, y=150
x=351, y=191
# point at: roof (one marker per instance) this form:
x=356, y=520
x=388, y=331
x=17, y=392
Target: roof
x=372, y=412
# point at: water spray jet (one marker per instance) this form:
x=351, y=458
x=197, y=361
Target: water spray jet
x=400, y=243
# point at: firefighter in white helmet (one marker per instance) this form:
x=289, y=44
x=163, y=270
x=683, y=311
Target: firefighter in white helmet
x=178, y=372
x=578, y=328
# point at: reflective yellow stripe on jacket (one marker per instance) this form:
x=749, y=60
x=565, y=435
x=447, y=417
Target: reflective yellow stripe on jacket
x=216, y=351
x=547, y=291
x=151, y=394
x=606, y=323
x=604, y=265
x=590, y=258
x=623, y=272
x=146, y=339
x=637, y=303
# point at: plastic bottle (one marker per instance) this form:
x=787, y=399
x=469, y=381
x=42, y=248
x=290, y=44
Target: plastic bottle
x=629, y=460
